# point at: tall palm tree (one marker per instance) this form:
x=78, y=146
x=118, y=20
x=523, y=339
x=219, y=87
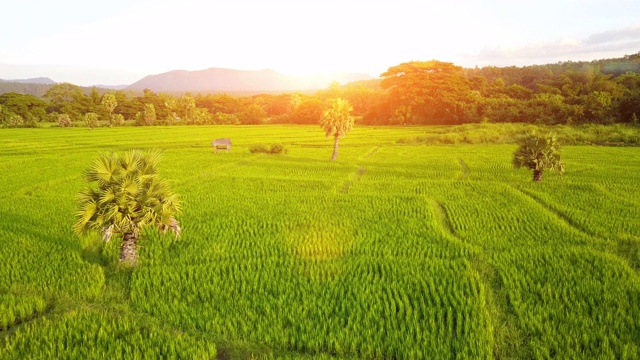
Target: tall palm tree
x=125, y=195
x=109, y=102
x=337, y=121
x=538, y=153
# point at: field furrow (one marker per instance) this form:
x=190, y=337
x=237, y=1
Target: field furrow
x=393, y=251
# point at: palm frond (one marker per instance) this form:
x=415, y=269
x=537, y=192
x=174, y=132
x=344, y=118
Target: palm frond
x=128, y=197
x=538, y=152
x=129, y=186
x=107, y=196
x=337, y=120
x=130, y=162
x=172, y=225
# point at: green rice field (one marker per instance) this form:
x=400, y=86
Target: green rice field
x=394, y=251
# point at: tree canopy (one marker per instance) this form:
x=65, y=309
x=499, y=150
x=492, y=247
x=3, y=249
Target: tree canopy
x=337, y=121
x=538, y=152
x=412, y=93
x=429, y=91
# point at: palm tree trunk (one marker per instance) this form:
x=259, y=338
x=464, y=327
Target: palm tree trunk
x=537, y=175
x=335, y=148
x=128, y=249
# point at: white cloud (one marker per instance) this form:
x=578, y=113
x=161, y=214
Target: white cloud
x=615, y=43
x=150, y=37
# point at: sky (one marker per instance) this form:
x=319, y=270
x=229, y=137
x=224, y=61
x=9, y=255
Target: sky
x=115, y=42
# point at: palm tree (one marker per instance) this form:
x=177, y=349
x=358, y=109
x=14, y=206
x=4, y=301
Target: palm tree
x=337, y=121
x=128, y=196
x=538, y=153
x=109, y=102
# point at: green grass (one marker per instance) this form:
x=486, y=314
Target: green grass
x=589, y=134
x=396, y=250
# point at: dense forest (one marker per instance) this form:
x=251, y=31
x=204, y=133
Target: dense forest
x=414, y=93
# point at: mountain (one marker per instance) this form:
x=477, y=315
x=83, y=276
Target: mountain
x=24, y=88
x=218, y=79
x=38, y=80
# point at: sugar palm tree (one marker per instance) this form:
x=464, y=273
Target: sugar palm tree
x=538, y=153
x=125, y=195
x=109, y=102
x=337, y=121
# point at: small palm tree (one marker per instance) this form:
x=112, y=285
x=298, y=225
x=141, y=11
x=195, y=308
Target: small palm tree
x=538, y=153
x=128, y=195
x=337, y=121
x=109, y=102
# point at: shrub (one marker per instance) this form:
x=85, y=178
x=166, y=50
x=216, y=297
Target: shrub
x=117, y=120
x=91, y=120
x=64, y=120
x=277, y=149
x=274, y=149
x=221, y=118
x=15, y=121
x=258, y=149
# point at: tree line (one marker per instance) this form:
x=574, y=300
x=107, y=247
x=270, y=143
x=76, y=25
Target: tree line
x=412, y=93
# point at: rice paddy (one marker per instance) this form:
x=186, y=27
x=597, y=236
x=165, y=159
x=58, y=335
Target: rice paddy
x=394, y=251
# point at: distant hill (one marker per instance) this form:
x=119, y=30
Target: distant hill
x=111, y=87
x=38, y=80
x=217, y=79
x=39, y=89
x=24, y=88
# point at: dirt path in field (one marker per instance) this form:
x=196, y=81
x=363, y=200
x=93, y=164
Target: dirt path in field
x=357, y=174
x=466, y=171
x=353, y=177
x=507, y=335
x=618, y=197
x=621, y=248
x=445, y=224
x=564, y=219
x=370, y=152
